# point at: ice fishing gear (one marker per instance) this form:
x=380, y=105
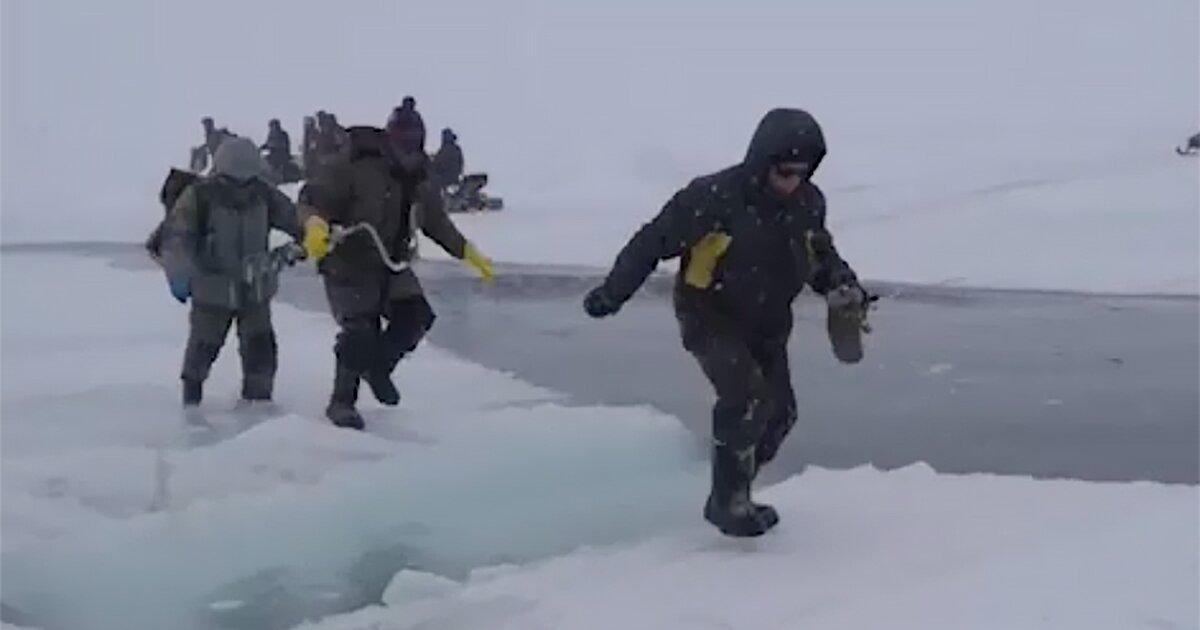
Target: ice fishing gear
x=468, y=195
x=260, y=274
x=855, y=301
x=339, y=234
x=846, y=320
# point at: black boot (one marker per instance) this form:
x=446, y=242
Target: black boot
x=193, y=392
x=383, y=388
x=729, y=507
x=341, y=411
x=256, y=390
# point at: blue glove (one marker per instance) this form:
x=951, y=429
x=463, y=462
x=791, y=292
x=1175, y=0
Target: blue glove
x=181, y=289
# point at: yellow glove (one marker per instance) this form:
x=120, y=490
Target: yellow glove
x=316, y=238
x=478, y=261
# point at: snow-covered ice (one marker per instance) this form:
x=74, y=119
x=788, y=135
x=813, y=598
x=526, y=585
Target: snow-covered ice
x=109, y=495
x=116, y=514
x=1013, y=143
x=857, y=550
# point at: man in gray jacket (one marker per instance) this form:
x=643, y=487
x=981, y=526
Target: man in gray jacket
x=215, y=252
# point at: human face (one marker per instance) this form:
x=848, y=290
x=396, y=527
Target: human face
x=785, y=177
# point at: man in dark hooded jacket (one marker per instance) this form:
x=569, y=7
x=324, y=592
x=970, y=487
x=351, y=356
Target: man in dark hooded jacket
x=408, y=111
x=379, y=181
x=447, y=167
x=750, y=237
x=279, y=148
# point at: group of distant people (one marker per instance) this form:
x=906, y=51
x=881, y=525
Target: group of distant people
x=324, y=140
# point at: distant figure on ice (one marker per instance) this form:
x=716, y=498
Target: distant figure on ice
x=750, y=238
x=408, y=111
x=308, y=145
x=377, y=183
x=202, y=155
x=331, y=137
x=447, y=166
x=1192, y=148
x=213, y=247
x=279, y=153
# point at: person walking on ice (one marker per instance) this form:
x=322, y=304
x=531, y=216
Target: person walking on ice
x=750, y=238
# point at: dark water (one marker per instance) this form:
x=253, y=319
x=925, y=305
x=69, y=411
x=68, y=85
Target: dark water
x=1011, y=382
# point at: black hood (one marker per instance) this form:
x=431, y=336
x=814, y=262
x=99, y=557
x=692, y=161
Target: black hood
x=785, y=134
x=367, y=142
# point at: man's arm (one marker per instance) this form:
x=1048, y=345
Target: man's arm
x=827, y=269
x=180, y=236
x=435, y=223
x=679, y=225
x=282, y=214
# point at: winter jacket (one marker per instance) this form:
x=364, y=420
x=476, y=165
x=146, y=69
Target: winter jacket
x=367, y=185
x=745, y=255
x=447, y=165
x=217, y=236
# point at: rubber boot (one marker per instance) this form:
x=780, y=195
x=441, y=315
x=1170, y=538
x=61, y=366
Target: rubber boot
x=383, y=388
x=729, y=507
x=341, y=411
x=256, y=389
x=193, y=392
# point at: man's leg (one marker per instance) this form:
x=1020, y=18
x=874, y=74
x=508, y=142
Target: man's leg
x=259, y=351
x=779, y=405
x=409, y=320
x=207, y=329
x=738, y=425
x=356, y=349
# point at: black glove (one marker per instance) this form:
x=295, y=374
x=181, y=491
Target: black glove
x=599, y=304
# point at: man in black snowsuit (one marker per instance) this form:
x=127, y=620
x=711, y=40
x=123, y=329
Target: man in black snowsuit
x=331, y=137
x=279, y=149
x=447, y=167
x=408, y=111
x=381, y=181
x=750, y=237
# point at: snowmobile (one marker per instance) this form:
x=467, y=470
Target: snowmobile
x=1191, y=148
x=467, y=195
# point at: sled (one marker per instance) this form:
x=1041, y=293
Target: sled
x=468, y=195
x=1192, y=147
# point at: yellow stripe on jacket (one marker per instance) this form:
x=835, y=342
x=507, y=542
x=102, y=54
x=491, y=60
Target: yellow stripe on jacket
x=704, y=257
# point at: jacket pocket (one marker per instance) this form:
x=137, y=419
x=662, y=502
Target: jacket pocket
x=703, y=259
